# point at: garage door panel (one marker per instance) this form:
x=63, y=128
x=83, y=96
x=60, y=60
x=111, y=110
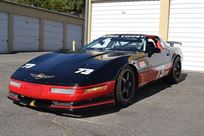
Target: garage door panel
x=189, y=42
x=187, y=35
x=193, y=54
x=24, y=44
x=126, y=12
x=193, y=64
x=3, y=32
x=193, y=68
x=187, y=3
x=24, y=25
x=188, y=21
x=124, y=17
x=26, y=33
x=187, y=26
x=201, y=59
x=74, y=33
x=125, y=21
x=123, y=24
x=120, y=25
x=195, y=50
x=123, y=29
x=97, y=35
x=188, y=10
x=53, y=35
x=187, y=6
x=52, y=28
x=25, y=19
x=124, y=4
x=58, y=36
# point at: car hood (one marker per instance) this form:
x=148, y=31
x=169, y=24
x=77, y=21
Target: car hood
x=61, y=68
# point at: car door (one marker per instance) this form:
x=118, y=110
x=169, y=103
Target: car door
x=160, y=62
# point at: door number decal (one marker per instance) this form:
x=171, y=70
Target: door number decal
x=84, y=71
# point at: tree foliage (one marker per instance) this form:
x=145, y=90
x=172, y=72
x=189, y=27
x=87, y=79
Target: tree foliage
x=66, y=6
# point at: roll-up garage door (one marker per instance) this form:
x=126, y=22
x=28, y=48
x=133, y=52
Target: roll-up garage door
x=187, y=26
x=53, y=35
x=139, y=16
x=3, y=32
x=74, y=33
x=26, y=33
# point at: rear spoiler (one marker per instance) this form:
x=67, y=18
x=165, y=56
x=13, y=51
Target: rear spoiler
x=173, y=43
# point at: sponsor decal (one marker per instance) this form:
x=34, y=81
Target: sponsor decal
x=142, y=64
x=84, y=71
x=163, y=70
x=28, y=65
x=41, y=76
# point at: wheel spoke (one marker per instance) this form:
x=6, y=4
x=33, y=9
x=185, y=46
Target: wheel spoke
x=129, y=84
x=123, y=90
x=177, y=69
x=128, y=76
x=127, y=93
x=124, y=80
x=126, y=84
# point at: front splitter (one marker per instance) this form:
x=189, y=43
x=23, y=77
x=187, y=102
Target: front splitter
x=71, y=106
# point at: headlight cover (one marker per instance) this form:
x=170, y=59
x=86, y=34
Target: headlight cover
x=62, y=91
x=16, y=84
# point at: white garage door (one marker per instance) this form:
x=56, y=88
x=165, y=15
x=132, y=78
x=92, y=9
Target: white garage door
x=141, y=16
x=3, y=32
x=53, y=36
x=74, y=33
x=187, y=26
x=26, y=33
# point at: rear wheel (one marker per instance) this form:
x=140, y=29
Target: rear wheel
x=125, y=87
x=175, y=74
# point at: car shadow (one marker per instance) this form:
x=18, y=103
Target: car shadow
x=141, y=94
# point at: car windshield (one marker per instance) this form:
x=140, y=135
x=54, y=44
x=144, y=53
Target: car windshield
x=120, y=43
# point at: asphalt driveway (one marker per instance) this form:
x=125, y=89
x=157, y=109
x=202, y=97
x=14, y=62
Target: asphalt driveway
x=159, y=110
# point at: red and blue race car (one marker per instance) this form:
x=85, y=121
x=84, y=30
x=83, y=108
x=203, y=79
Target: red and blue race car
x=107, y=71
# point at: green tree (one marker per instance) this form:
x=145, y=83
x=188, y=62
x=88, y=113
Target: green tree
x=65, y=6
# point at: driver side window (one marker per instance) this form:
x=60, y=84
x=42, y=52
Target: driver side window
x=150, y=45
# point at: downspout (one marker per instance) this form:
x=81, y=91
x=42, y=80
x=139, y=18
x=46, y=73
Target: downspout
x=86, y=22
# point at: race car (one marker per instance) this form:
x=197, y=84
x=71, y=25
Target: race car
x=109, y=70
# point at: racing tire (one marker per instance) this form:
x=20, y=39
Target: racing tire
x=175, y=74
x=125, y=87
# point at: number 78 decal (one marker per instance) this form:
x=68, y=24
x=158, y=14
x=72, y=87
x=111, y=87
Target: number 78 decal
x=84, y=71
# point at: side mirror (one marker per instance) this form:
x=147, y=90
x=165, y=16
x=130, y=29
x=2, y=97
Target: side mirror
x=152, y=51
x=157, y=50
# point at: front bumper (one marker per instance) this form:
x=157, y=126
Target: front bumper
x=38, y=95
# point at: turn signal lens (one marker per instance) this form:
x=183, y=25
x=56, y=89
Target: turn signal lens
x=62, y=91
x=16, y=84
x=99, y=88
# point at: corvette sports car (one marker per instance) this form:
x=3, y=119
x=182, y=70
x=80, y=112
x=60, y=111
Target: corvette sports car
x=107, y=71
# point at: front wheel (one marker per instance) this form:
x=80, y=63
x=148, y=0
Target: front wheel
x=125, y=87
